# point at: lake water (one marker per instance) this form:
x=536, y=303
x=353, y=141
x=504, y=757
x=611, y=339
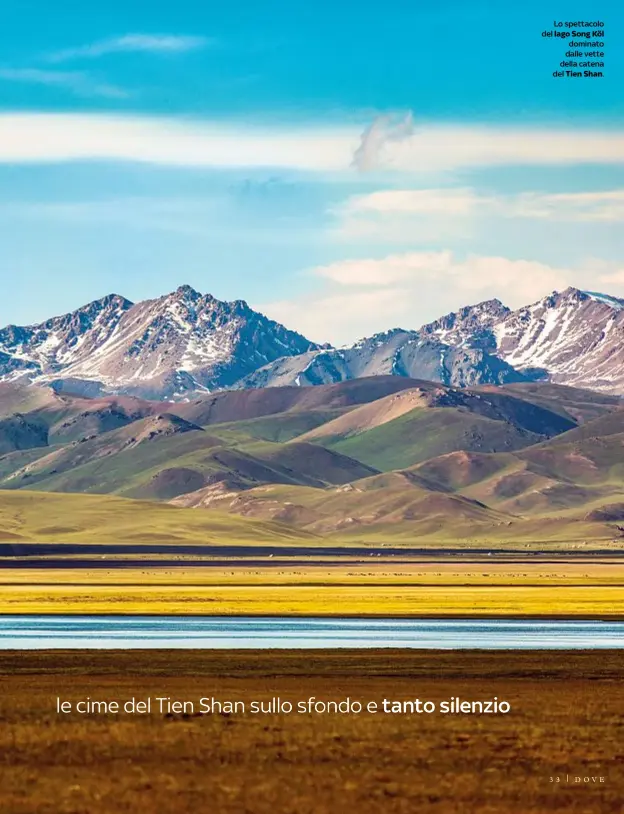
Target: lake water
x=39, y=632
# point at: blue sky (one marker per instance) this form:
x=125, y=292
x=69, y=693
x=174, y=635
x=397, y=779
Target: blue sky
x=347, y=167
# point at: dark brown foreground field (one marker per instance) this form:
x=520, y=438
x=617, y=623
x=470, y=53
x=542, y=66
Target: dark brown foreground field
x=567, y=721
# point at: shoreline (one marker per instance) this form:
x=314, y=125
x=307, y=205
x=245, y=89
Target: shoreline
x=443, y=617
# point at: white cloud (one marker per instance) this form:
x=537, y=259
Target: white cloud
x=402, y=216
x=133, y=43
x=72, y=137
x=342, y=317
x=389, y=270
x=395, y=216
x=614, y=279
x=403, y=146
x=79, y=83
x=417, y=202
x=605, y=206
x=187, y=142
x=363, y=296
x=521, y=280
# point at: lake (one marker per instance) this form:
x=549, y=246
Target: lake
x=39, y=632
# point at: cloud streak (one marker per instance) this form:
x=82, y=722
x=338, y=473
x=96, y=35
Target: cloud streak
x=401, y=214
x=380, y=134
x=170, y=142
x=521, y=279
x=80, y=83
x=362, y=296
x=132, y=43
x=310, y=147
x=401, y=146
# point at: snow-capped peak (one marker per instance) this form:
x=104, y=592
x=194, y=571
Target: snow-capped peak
x=612, y=302
x=574, y=337
x=185, y=342
x=183, y=339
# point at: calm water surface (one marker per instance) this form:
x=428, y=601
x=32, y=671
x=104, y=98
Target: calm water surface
x=38, y=632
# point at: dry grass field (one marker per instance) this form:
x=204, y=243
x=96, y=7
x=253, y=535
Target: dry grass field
x=566, y=721
x=582, y=589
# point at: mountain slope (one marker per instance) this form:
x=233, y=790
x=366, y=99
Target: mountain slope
x=158, y=348
x=366, y=502
x=123, y=444
x=577, y=336
x=18, y=433
x=60, y=342
x=163, y=457
x=386, y=456
x=185, y=343
x=573, y=403
x=238, y=405
x=314, y=436
x=583, y=467
x=425, y=433
x=573, y=337
x=569, y=488
x=39, y=517
x=488, y=403
x=396, y=353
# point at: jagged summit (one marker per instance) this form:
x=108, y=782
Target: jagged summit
x=572, y=337
x=186, y=342
x=471, y=326
x=576, y=337
x=185, y=290
x=181, y=342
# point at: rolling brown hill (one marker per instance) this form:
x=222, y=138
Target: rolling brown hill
x=240, y=405
x=395, y=455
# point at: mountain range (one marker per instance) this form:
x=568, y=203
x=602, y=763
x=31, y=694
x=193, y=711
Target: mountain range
x=186, y=344
x=573, y=337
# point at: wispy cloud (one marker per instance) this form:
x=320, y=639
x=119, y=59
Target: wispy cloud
x=133, y=43
x=73, y=137
x=83, y=83
x=606, y=206
x=80, y=83
x=400, y=215
x=616, y=278
x=341, y=317
x=187, y=142
x=402, y=145
x=382, y=132
x=361, y=296
x=523, y=279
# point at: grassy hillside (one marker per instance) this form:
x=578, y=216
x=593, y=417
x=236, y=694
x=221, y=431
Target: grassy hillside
x=365, y=513
x=40, y=517
x=382, y=458
x=281, y=427
x=136, y=462
x=398, y=511
x=571, y=402
x=242, y=405
x=20, y=398
x=425, y=433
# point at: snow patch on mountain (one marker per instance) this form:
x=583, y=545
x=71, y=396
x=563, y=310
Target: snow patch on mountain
x=577, y=337
x=186, y=342
x=162, y=348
